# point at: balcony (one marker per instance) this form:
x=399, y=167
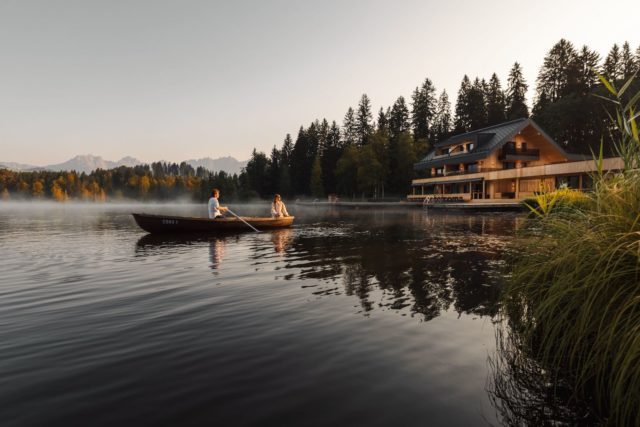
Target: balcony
x=511, y=153
x=467, y=172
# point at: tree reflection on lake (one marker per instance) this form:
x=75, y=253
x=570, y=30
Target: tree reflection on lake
x=427, y=263
x=404, y=261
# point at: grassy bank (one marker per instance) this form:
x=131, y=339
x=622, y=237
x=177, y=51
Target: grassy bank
x=574, y=298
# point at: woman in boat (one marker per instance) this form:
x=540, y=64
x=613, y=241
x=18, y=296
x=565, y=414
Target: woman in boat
x=278, y=209
x=215, y=210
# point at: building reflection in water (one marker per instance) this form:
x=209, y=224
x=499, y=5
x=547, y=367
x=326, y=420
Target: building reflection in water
x=413, y=261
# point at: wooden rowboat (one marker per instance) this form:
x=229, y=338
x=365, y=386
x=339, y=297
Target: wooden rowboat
x=184, y=224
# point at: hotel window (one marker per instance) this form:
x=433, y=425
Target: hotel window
x=439, y=172
x=470, y=146
x=508, y=165
x=471, y=167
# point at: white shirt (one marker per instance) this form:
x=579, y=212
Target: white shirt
x=278, y=209
x=213, y=208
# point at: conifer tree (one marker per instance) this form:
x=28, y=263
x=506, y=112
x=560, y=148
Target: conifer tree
x=287, y=148
x=383, y=120
x=516, y=94
x=423, y=105
x=462, y=122
x=257, y=172
x=588, y=61
x=496, y=105
x=559, y=72
x=275, y=169
x=300, y=166
x=349, y=128
x=323, y=135
x=627, y=62
x=364, y=128
x=476, y=106
x=612, y=67
x=442, y=123
x=330, y=159
x=398, y=118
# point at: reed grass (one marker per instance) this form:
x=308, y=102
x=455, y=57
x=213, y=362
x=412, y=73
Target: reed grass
x=574, y=297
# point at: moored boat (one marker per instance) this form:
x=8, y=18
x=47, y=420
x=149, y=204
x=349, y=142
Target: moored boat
x=183, y=224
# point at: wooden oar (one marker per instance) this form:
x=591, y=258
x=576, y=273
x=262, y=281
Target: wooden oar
x=254, y=229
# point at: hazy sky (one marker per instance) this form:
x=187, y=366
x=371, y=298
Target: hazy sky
x=184, y=79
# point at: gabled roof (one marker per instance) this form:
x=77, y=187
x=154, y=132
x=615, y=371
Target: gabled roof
x=486, y=141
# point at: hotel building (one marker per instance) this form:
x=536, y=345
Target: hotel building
x=507, y=162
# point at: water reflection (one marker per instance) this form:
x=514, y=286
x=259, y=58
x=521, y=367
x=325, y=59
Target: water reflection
x=424, y=263
x=281, y=239
x=409, y=262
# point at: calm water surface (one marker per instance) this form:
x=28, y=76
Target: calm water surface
x=369, y=318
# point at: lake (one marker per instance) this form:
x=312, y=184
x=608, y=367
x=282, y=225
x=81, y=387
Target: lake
x=351, y=317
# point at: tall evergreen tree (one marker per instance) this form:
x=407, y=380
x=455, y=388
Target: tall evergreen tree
x=496, y=105
x=423, y=105
x=300, y=165
x=627, y=62
x=442, y=123
x=349, y=128
x=476, y=106
x=383, y=120
x=257, y=173
x=462, y=121
x=275, y=170
x=287, y=148
x=638, y=60
x=588, y=61
x=323, y=136
x=313, y=135
x=398, y=118
x=330, y=159
x=364, y=128
x=612, y=67
x=516, y=94
x=559, y=73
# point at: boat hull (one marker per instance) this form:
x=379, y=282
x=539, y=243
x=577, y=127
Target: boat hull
x=181, y=224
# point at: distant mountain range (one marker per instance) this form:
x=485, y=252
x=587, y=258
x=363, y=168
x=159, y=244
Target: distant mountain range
x=88, y=163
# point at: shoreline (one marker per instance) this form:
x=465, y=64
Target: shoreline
x=506, y=206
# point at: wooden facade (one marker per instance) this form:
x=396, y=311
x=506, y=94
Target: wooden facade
x=507, y=162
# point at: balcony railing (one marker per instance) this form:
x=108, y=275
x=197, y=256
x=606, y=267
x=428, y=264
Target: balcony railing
x=461, y=172
x=512, y=153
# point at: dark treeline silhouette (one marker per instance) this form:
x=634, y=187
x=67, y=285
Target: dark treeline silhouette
x=369, y=157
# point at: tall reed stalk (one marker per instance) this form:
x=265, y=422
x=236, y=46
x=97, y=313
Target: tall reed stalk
x=574, y=297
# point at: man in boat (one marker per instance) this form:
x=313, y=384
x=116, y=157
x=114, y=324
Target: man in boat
x=215, y=210
x=278, y=209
